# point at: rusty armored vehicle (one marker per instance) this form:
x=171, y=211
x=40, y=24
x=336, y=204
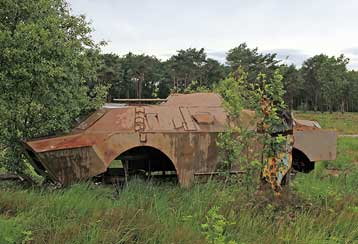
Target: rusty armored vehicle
x=176, y=137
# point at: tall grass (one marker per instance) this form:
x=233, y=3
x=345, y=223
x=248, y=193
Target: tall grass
x=317, y=208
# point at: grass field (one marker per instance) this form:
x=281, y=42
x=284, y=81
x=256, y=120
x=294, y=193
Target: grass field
x=319, y=207
x=346, y=123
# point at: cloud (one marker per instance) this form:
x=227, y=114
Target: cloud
x=351, y=51
x=289, y=55
x=217, y=55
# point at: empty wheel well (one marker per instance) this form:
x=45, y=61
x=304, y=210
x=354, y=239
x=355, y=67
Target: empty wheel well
x=301, y=162
x=142, y=161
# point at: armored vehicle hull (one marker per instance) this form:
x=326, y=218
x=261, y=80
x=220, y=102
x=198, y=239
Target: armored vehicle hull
x=177, y=137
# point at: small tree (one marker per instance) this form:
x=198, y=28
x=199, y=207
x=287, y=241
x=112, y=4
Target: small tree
x=274, y=127
x=47, y=73
x=235, y=140
x=265, y=97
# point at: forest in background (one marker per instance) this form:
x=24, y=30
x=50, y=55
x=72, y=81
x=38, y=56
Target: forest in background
x=322, y=83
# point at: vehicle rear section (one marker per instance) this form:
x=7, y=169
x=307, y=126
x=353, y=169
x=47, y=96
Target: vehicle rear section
x=312, y=144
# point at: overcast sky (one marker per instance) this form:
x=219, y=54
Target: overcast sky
x=296, y=29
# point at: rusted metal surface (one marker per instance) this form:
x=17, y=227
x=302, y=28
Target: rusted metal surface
x=317, y=144
x=183, y=130
x=139, y=100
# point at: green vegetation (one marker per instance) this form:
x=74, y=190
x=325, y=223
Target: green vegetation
x=266, y=99
x=346, y=123
x=319, y=207
x=143, y=76
x=47, y=73
x=323, y=83
x=333, y=178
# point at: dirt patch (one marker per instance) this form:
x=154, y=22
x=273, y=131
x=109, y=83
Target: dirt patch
x=333, y=172
x=7, y=212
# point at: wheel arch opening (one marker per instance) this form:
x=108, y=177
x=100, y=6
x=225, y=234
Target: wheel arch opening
x=301, y=162
x=143, y=161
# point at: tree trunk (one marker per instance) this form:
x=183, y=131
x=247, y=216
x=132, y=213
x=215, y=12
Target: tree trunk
x=342, y=106
x=141, y=80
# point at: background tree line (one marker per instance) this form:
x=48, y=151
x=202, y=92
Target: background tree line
x=144, y=76
x=323, y=83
